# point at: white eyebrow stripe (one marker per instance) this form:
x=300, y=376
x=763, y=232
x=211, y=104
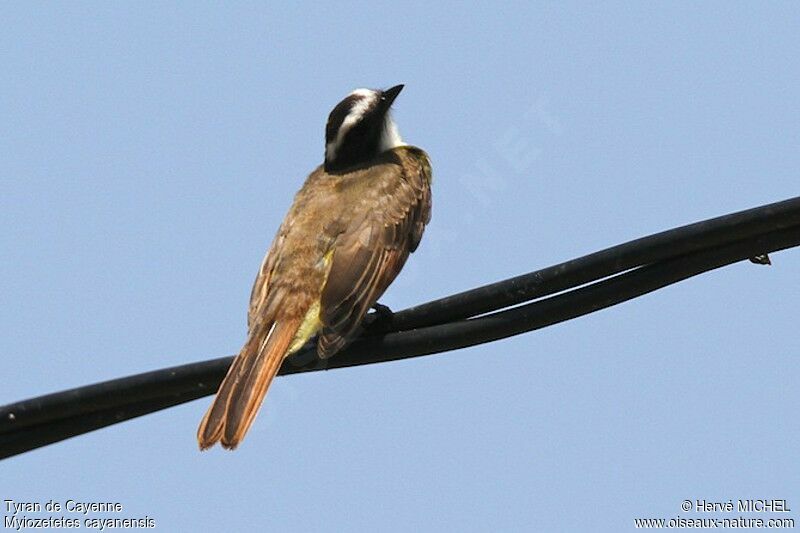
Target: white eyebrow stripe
x=352, y=118
x=366, y=93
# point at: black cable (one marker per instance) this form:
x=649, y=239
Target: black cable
x=679, y=253
x=657, y=247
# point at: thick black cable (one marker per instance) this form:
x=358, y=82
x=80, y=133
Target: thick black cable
x=598, y=265
x=39, y=421
x=412, y=343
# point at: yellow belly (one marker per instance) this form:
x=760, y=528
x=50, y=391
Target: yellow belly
x=310, y=326
x=311, y=322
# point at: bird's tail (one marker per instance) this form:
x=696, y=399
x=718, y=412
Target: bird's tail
x=244, y=387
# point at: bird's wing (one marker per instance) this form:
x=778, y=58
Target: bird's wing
x=260, y=292
x=369, y=254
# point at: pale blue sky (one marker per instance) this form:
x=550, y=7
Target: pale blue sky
x=148, y=152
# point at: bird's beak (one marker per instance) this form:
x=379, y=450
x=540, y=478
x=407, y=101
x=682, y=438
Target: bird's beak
x=390, y=94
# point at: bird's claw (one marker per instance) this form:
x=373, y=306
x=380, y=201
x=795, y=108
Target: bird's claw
x=381, y=317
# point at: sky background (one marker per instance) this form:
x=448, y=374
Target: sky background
x=148, y=152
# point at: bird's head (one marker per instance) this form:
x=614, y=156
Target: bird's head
x=360, y=127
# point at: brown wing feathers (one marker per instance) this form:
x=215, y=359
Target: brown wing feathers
x=367, y=259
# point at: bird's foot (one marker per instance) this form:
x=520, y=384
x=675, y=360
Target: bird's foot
x=379, y=319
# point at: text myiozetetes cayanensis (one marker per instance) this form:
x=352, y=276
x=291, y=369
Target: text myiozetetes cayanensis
x=345, y=238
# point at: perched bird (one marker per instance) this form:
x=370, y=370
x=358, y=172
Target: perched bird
x=345, y=238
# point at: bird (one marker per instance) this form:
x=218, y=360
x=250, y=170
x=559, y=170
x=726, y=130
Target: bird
x=347, y=235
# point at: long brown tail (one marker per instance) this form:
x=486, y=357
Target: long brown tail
x=244, y=387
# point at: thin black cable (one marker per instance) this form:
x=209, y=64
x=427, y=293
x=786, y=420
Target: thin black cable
x=40, y=421
x=420, y=342
x=598, y=265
